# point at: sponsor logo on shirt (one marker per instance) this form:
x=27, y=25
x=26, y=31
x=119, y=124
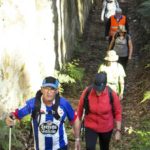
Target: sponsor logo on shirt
x=48, y=128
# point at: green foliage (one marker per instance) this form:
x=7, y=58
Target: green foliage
x=63, y=77
x=25, y=123
x=4, y=137
x=70, y=74
x=74, y=70
x=147, y=66
x=69, y=130
x=146, y=96
x=142, y=138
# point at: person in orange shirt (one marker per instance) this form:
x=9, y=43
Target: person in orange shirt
x=114, y=22
x=101, y=115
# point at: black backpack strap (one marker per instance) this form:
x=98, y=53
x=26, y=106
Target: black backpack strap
x=86, y=107
x=86, y=101
x=111, y=100
x=37, y=106
x=54, y=111
x=36, y=111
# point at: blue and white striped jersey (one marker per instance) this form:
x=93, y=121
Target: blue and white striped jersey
x=50, y=134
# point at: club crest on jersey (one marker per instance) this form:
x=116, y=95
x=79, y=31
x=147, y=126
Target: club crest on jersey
x=48, y=128
x=60, y=111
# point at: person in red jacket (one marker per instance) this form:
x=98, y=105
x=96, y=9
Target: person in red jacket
x=99, y=122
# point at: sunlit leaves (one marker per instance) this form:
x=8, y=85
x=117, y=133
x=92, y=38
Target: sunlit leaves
x=146, y=96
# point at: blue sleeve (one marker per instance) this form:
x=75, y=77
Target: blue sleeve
x=26, y=109
x=68, y=109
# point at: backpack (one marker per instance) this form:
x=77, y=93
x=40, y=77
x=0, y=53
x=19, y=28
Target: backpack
x=86, y=101
x=37, y=105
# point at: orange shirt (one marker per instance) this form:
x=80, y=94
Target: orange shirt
x=100, y=117
x=114, y=24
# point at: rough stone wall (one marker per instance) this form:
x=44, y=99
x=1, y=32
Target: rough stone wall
x=70, y=17
x=35, y=39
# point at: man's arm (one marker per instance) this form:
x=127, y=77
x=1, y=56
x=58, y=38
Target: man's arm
x=76, y=128
x=20, y=113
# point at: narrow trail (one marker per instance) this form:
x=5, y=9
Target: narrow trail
x=95, y=45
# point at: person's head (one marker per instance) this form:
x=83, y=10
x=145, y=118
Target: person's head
x=111, y=56
x=118, y=12
x=121, y=30
x=49, y=88
x=100, y=81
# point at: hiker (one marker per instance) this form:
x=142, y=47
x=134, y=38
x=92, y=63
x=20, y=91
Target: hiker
x=113, y=23
x=115, y=73
x=122, y=44
x=108, y=9
x=100, y=114
x=49, y=112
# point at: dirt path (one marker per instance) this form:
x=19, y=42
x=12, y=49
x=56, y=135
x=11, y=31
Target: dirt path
x=95, y=46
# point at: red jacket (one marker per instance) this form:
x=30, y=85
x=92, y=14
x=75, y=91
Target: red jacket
x=100, y=117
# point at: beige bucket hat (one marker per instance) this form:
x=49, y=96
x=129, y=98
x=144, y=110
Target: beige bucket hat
x=111, y=56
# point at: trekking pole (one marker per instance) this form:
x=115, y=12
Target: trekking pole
x=10, y=137
x=10, y=128
x=82, y=126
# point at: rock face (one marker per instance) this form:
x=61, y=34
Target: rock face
x=35, y=39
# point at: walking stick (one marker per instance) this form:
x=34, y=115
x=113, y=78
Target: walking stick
x=10, y=137
x=10, y=128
